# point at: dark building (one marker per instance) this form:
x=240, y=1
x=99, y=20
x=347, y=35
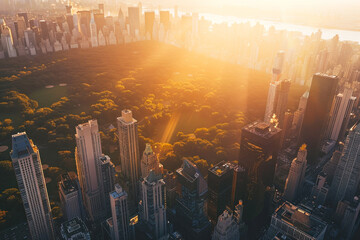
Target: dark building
x=44, y=30
x=84, y=18
x=170, y=186
x=108, y=180
x=239, y=183
x=68, y=9
x=149, y=23
x=70, y=22
x=321, y=95
x=219, y=183
x=259, y=148
x=26, y=19
x=191, y=220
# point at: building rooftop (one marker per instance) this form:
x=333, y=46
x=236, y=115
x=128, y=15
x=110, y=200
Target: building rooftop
x=119, y=192
x=74, y=229
x=262, y=129
x=67, y=184
x=22, y=146
x=221, y=168
x=300, y=218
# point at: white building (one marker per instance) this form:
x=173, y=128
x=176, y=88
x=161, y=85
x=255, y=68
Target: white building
x=270, y=103
x=120, y=214
x=31, y=182
x=296, y=175
x=87, y=155
x=340, y=114
x=129, y=149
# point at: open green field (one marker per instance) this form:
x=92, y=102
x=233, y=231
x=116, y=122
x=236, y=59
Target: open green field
x=47, y=96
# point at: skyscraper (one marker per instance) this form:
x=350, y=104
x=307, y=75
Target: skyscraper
x=321, y=95
x=129, y=149
x=296, y=175
x=278, y=66
x=347, y=174
x=239, y=183
x=281, y=100
x=107, y=175
x=31, y=182
x=87, y=155
x=134, y=21
x=219, y=193
x=340, y=114
x=7, y=41
x=152, y=206
x=259, y=148
x=44, y=30
x=120, y=213
x=93, y=32
x=270, y=103
x=149, y=24
x=190, y=216
x=70, y=197
x=149, y=161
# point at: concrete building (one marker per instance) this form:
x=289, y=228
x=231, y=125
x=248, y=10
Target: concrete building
x=120, y=214
x=74, y=229
x=226, y=227
x=347, y=174
x=87, y=154
x=296, y=223
x=129, y=150
x=295, y=179
x=320, y=190
x=107, y=176
x=70, y=197
x=152, y=206
x=149, y=161
x=340, y=114
x=32, y=186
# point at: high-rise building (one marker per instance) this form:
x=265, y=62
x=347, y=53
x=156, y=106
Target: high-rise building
x=70, y=197
x=321, y=95
x=347, y=174
x=295, y=179
x=120, y=214
x=191, y=220
x=149, y=161
x=134, y=21
x=350, y=218
x=149, y=24
x=297, y=223
x=281, y=100
x=87, y=154
x=93, y=33
x=74, y=229
x=26, y=18
x=271, y=99
x=107, y=181
x=7, y=41
x=226, y=227
x=259, y=148
x=219, y=189
x=152, y=206
x=340, y=114
x=44, y=30
x=31, y=182
x=129, y=149
x=170, y=184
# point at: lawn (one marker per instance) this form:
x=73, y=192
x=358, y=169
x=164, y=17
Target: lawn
x=47, y=96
